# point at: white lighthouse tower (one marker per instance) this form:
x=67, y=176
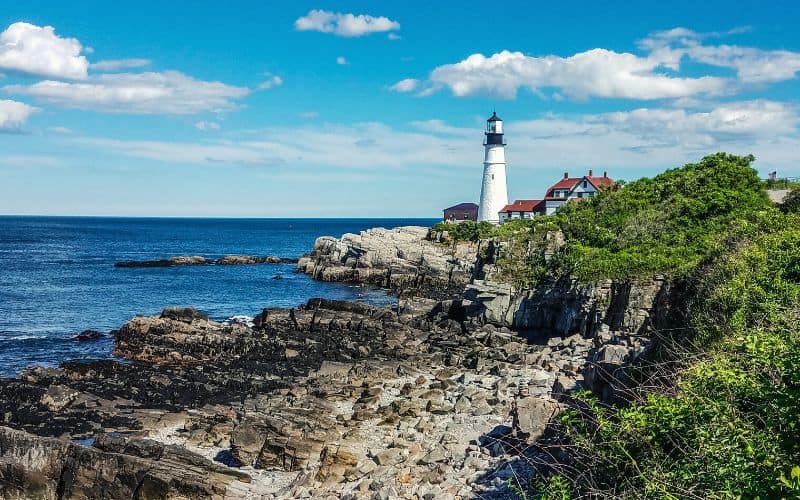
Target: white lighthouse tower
x=494, y=193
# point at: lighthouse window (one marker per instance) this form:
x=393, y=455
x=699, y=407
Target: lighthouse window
x=492, y=176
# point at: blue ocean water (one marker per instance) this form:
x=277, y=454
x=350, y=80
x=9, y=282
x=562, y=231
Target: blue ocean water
x=57, y=276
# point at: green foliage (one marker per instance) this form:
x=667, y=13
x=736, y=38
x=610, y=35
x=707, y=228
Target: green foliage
x=726, y=423
x=467, y=230
x=782, y=184
x=729, y=426
x=666, y=224
x=792, y=201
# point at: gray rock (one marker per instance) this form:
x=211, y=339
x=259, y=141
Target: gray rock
x=531, y=415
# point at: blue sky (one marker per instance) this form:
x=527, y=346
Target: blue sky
x=374, y=109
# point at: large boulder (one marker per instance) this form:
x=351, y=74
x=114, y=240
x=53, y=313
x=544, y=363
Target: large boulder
x=531, y=415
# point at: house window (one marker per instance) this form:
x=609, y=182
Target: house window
x=585, y=184
x=466, y=215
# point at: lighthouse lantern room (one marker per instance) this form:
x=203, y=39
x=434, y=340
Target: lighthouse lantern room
x=494, y=192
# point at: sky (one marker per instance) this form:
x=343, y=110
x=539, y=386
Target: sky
x=376, y=109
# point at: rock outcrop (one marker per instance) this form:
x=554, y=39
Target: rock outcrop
x=441, y=395
x=38, y=467
x=403, y=259
x=196, y=260
x=328, y=399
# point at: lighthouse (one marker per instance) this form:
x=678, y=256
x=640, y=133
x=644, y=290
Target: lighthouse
x=494, y=193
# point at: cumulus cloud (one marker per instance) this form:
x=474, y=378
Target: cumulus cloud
x=205, y=125
x=170, y=92
x=608, y=74
x=37, y=50
x=594, y=73
x=347, y=25
x=341, y=61
x=752, y=65
x=13, y=115
x=406, y=85
x=271, y=82
x=118, y=64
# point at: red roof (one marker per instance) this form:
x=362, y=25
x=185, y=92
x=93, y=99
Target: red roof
x=567, y=183
x=570, y=182
x=601, y=181
x=522, y=206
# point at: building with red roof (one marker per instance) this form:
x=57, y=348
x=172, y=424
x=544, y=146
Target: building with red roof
x=522, y=209
x=575, y=188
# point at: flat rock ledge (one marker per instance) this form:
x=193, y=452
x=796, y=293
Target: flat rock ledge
x=328, y=400
x=196, y=260
x=403, y=259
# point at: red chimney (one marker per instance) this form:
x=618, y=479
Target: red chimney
x=590, y=172
x=605, y=174
x=566, y=175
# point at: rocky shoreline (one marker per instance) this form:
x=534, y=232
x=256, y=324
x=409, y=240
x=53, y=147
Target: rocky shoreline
x=441, y=395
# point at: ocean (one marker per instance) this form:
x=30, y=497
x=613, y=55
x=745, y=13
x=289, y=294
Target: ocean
x=57, y=276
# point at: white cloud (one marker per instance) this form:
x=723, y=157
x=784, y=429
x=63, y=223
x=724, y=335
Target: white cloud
x=348, y=25
x=13, y=115
x=205, y=125
x=341, y=61
x=36, y=50
x=406, y=85
x=61, y=130
x=170, y=92
x=752, y=65
x=393, y=36
x=271, y=82
x=642, y=139
x=308, y=114
x=608, y=74
x=118, y=64
x=597, y=72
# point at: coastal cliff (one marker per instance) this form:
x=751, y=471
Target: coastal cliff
x=403, y=259
x=438, y=396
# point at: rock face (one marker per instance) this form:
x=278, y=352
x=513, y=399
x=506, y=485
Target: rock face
x=331, y=398
x=403, y=259
x=47, y=468
x=437, y=396
x=197, y=260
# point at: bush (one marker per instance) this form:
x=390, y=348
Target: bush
x=792, y=201
x=666, y=225
x=467, y=230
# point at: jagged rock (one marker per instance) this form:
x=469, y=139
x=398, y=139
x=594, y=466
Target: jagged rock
x=531, y=415
x=391, y=456
x=196, y=260
x=48, y=468
x=89, y=335
x=611, y=354
x=402, y=258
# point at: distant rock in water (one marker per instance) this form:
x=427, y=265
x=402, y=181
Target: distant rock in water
x=88, y=335
x=196, y=260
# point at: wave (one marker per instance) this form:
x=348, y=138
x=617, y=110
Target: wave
x=240, y=319
x=22, y=337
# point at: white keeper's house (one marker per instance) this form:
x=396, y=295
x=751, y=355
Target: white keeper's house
x=574, y=188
